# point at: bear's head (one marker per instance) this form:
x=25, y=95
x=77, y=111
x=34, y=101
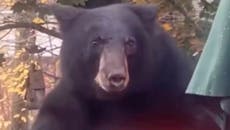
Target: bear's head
x=109, y=46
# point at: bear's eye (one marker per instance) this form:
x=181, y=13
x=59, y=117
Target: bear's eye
x=98, y=41
x=130, y=46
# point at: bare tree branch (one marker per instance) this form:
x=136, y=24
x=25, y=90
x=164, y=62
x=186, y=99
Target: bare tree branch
x=52, y=53
x=52, y=76
x=20, y=41
x=30, y=25
x=5, y=34
x=55, y=48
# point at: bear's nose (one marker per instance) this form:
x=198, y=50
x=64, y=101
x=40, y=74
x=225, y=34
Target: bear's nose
x=117, y=79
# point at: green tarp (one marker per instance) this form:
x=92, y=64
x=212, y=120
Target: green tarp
x=212, y=73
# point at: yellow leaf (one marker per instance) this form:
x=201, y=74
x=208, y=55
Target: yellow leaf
x=8, y=83
x=3, y=76
x=21, y=85
x=22, y=92
x=18, y=67
x=14, y=84
x=167, y=27
x=25, y=72
x=23, y=119
x=43, y=1
x=23, y=109
x=16, y=116
x=6, y=123
x=139, y=1
x=38, y=20
x=8, y=3
x=12, y=89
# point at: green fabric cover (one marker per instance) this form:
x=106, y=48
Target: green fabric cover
x=212, y=73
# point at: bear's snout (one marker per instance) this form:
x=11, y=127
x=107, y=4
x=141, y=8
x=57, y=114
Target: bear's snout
x=112, y=75
x=117, y=78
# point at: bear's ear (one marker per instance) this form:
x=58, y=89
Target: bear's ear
x=147, y=13
x=65, y=14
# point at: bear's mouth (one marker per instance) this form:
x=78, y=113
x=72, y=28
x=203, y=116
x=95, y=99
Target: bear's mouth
x=108, y=87
x=112, y=75
x=114, y=83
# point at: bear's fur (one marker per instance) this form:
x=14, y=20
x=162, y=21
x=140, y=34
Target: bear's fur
x=157, y=74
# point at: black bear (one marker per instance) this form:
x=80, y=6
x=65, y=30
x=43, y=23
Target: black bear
x=120, y=71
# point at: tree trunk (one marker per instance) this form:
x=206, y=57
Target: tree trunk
x=18, y=102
